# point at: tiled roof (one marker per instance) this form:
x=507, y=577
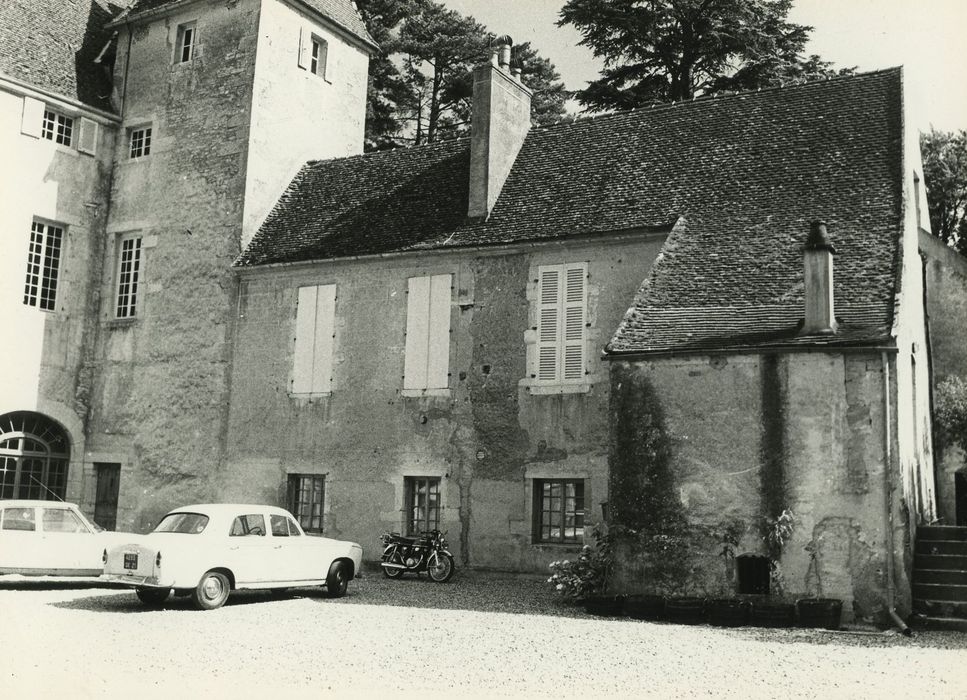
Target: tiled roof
x=342, y=12
x=747, y=173
x=52, y=46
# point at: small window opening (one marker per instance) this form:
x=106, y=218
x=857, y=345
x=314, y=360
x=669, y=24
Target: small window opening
x=186, y=43
x=753, y=573
x=317, y=61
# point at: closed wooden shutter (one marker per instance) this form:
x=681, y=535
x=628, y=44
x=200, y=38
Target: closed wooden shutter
x=426, y=363
x=315, y=325
x=33, y=117
x=549, y=322
x=87, y=138
x=562, y=318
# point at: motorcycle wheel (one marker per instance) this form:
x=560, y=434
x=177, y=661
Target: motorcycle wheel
x=391, y=573
x=441, y=568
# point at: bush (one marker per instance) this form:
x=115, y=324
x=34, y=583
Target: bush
x=950, y=413
x=588, y=574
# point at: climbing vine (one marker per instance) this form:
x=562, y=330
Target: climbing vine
x=950, y=413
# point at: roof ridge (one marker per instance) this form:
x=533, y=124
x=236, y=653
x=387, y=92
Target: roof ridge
x=663, y=106
x=386, y=151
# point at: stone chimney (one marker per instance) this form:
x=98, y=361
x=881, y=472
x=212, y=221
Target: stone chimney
x=818, y=275
x=501, y=120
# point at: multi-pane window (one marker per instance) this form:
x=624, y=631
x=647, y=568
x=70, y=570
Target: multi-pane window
x=319, y=54
x=559, y=510
x=34, y=454
x=43, y=265
x=129, y=276
x=187, y=41
x=57, y=127
x=314, y=340
x=422, y=498
x=427, y=353
x=140, y=142
x=561, y=323
x=306, y=496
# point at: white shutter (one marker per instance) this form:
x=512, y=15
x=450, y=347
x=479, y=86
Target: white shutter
x=438, y=339
x=417, y=333
x=305, y=340
x=314, y=342
x=575, y=305
x=548, y=321
x=323, y=70
x=325, y=332
x=87, y=137
x=33, y=117
x=305, y=45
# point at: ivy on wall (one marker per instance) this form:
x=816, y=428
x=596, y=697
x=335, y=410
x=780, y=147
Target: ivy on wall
x=773, y=486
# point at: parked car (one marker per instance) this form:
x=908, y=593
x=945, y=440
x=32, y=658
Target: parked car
x=51, y=538
x=207, y=551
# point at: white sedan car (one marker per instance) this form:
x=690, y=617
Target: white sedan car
x=208, y=550
x=51, y=538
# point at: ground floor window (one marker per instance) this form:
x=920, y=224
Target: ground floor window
x=306, y=498
x=34, y=454
x=559, y=510
x=753, y=573
x=422, y=508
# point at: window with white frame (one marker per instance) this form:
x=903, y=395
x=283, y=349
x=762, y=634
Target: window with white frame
x=128, y=276
x=43, y=265
x=313, y=53
x=306, y=496
x=57, y=127
x=140, y=144
x=562, y=323
x=187, y=42
x=427, y=353
x=422, y=504
x=314, y=340
x=319, y=53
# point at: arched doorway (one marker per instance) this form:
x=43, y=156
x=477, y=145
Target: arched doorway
x=34, y=454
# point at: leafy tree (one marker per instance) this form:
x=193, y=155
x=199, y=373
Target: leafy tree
x=667, y=50
x=950, y=413
x=421, y=81
x=945, y=171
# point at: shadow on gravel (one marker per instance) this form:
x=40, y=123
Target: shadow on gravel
x=131, y=604
x=48, y=584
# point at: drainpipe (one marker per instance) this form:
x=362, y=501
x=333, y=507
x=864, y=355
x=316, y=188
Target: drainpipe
x=888, y=502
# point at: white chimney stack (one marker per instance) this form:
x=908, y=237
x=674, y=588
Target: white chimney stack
x=818, y=277
x=501, y=120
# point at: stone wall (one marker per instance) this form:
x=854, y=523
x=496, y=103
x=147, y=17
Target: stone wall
x=733, y=440
x=486, y=438
x=946, y=280
x=45, y=352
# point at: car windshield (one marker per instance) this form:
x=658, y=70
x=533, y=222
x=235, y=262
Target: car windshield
x=186, y=523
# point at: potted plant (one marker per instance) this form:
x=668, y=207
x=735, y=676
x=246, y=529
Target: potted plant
x=776, y=612
x=645, y=606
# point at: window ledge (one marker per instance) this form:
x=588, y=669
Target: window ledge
x=548, y=389
x=416, y=393
x=121, y=322
x=309, y=398
x=562, y=546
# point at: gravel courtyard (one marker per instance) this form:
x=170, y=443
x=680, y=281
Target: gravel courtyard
x=481, y=635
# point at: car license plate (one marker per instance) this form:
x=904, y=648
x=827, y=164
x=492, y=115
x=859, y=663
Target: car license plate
x=130, y=561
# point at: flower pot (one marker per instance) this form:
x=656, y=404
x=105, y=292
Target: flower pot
x=727, y=612
x=820, y=612
x=771, y=614
x=645, y=607
x=685, y=611
x=604, y=605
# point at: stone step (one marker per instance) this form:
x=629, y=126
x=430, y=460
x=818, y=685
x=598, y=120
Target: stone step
x=942, y=576
x=955, y=547
x=949, y=624
x=940, y=561
x=940, y=608
x=940, y=591
x=942, y=532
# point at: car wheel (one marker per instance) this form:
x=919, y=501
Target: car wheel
x=152, y=597
x=338, y=580
x=441, y=569
x=212, y=591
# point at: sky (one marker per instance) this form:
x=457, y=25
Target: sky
x=924, y=36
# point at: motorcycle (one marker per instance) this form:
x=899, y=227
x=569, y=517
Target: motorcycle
x=428, y=553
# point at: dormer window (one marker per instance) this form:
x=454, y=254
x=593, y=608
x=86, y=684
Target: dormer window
x=187, y=40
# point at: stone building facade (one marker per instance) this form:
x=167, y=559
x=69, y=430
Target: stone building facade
x=251, y=310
